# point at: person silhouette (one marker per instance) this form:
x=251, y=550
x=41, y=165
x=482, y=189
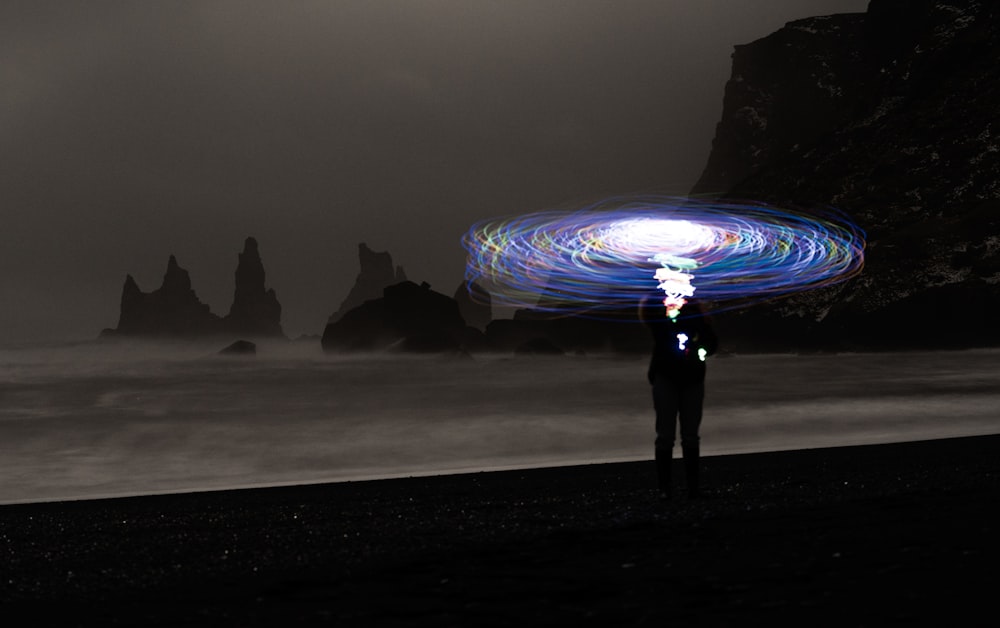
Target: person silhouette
x=683, y=338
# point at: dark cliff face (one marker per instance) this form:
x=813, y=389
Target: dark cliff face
x=255, y=310
x=890, y=116
x=786, y=91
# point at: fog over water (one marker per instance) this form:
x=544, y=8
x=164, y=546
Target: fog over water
x=93, y=420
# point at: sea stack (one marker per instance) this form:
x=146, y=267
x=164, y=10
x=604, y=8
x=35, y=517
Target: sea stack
x=173, y=310
x=407, y=317
x=377, y=273
x=255, y=310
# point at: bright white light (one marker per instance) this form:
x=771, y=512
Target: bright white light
x=682, y=339
x=674, y=283
x=652, y=237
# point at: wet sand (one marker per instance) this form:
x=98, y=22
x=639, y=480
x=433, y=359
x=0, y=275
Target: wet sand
x=867, y=535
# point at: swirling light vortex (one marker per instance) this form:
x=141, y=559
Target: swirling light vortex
x=604, y=257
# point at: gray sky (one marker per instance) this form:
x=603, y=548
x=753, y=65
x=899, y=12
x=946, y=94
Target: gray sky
x=130, y=131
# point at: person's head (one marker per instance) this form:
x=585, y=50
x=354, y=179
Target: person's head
x=657, y=306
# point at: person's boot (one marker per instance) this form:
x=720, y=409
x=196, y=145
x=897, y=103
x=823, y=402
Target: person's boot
x=692, y=471
x=663, y=464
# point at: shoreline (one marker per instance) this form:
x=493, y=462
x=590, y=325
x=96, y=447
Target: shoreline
x=818, y=531
x=362, y=477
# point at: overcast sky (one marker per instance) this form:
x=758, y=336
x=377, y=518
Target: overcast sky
x=130, y=131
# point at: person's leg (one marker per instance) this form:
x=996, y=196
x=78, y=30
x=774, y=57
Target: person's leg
x=690, y=409
x=665, y=402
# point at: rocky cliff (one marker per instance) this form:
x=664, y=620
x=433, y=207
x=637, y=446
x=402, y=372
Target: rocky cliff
x=891, y=116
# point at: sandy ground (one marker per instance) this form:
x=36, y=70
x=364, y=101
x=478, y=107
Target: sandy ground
x=859, y=536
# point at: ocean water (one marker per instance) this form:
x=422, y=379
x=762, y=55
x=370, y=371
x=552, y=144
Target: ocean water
x=93, y=420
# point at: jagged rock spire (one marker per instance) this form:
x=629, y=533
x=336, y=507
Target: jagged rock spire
x=173, y=310
x=176, y=280
x=255, y=310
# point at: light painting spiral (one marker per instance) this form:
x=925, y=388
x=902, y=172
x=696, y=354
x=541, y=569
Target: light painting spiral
x=605, y=256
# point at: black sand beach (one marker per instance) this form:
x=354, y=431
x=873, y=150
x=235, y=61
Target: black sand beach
x=858, y=536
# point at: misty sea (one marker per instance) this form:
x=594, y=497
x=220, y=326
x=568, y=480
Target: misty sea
x=92, y=420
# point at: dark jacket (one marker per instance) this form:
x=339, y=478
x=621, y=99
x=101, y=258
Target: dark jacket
x=677, y=341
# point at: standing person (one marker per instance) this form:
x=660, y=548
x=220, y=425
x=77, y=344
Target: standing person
x=683, y=339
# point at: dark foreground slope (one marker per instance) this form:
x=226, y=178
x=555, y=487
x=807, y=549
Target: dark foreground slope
x=848, y=536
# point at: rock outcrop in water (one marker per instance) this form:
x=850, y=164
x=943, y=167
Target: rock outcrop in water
x=240, y=347
x=377, y=272
x=385, y=311
x=407, y=317
x=891, y=116
x=474, y=304
x=255, y=310
x=174, y=311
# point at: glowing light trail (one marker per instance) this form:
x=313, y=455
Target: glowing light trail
x=604, y=257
